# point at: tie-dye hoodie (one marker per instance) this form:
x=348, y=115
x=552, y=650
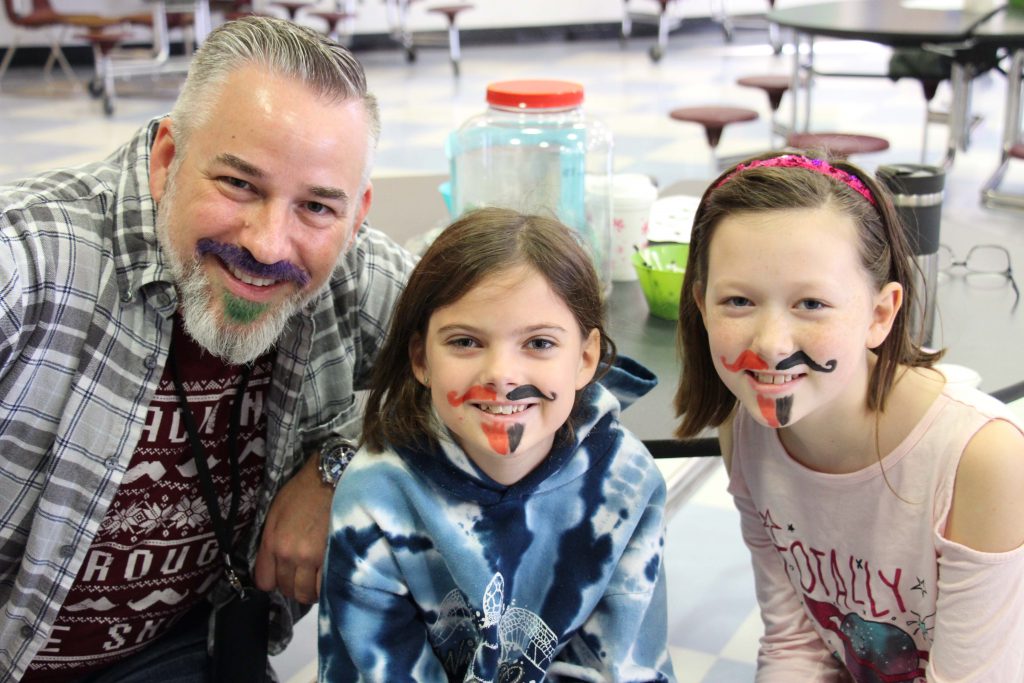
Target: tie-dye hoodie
x=434, y=572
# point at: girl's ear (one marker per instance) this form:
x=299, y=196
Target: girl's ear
x=589, y=358
x=698, y=297
x=887, y=304
x=418, y=360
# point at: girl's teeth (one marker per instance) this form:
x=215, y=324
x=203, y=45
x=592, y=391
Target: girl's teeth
x=249, y=279
x=502, y=410
x=774, y=379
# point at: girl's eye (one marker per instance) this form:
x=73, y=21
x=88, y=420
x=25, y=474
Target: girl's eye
x=540, y=344
x=463, y=342
x=737, y=301
x=811, y=305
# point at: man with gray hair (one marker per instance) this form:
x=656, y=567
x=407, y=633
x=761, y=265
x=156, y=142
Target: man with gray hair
x=183, y=329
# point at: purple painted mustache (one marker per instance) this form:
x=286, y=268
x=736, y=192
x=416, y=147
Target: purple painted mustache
x=240, y=258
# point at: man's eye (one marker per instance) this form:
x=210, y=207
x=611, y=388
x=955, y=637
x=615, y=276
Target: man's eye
x=318, y=208
x=236, y=182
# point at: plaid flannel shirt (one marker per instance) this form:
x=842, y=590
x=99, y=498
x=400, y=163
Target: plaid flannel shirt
x=86, y=310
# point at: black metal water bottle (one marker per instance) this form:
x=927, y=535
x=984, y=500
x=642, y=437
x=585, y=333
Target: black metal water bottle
x=917, y=193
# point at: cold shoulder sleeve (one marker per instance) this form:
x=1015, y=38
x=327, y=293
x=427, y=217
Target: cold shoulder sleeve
x=979, y=628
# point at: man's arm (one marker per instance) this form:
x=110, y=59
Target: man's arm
x=295, y=536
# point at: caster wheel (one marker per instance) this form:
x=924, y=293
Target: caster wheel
x=455, y=68
x=728, y=34
x=410, y=55
x=108, y=106
x=776, y=48
x=95, y=87
x=656, y=53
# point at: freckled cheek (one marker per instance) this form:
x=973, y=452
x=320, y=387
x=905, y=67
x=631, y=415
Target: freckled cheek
x=823, y=346
x=729, y=339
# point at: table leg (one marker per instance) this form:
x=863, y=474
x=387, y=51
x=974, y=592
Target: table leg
x=959, y=107
x=809, y=85
x=990, y=194
x=795, y=83
x=201, y=22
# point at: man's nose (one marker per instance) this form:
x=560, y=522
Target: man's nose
x=268, y=230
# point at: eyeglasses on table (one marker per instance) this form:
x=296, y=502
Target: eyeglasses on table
x=983, y=263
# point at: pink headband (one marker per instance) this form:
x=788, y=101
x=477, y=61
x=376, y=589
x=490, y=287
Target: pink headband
x=816, y=165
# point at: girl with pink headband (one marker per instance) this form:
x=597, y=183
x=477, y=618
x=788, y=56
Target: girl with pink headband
x=881, y=504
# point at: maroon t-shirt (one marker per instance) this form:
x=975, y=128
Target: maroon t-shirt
x=155, y=555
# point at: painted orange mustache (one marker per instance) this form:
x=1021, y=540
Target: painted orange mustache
x=481, y=393
x=477, y=393
x=748, y=360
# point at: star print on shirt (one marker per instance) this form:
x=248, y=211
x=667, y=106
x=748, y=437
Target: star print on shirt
x=919, y=586
x=769, y=524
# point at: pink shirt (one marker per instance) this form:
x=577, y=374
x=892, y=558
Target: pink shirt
x=848, y=570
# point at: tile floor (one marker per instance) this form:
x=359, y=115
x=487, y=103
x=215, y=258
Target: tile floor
x=714, y=625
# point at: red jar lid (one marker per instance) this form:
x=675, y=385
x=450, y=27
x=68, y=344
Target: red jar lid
x=535, y=94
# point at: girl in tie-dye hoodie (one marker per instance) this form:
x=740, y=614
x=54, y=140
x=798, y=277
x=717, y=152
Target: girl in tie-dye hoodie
x=499, y=523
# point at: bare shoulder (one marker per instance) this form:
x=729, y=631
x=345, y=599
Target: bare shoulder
x=988, y=508
x=725, y=439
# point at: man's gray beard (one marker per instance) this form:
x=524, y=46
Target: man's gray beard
x=235, y=344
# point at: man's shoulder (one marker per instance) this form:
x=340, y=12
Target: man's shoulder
x=62, y=186
x=374, y=249
x=99, y=182
x=374, y=264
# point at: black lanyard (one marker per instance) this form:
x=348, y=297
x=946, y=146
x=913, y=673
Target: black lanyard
x=236, y=571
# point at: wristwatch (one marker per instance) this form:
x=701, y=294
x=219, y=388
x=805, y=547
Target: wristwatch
x=335, y=454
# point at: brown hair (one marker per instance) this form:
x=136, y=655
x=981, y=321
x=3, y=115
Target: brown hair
x=702, y=399
x=480, y=243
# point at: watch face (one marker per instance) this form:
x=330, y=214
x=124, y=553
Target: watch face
x=334, y=458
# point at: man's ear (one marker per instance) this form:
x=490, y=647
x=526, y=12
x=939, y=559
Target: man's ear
x=886, y=305
x=160, y=158
x=362, y=207
x=590, y=356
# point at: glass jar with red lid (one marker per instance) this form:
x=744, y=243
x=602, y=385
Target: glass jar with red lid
x=535, y=150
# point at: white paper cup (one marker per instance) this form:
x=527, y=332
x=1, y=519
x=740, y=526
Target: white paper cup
x=633, y=194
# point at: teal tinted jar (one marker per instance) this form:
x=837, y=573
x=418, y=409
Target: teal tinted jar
x=533, y=149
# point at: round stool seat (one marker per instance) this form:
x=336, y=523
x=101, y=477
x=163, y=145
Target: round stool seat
x=331, y=18
x=840, y=145
x=774, y=86
x=104, y=40
x=714, y=119
x=450, y=11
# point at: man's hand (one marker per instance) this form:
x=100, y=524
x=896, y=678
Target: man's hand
x=291, y=552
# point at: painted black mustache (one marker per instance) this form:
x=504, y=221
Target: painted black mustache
x=528, y=391
x=801, y=358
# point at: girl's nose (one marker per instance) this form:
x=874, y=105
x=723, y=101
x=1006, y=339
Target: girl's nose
x=773, y=338
x=498, y=371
